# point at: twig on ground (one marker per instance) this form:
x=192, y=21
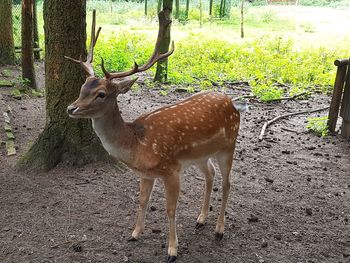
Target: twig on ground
x=290, y=98
x=200, y=178
x=266, y=124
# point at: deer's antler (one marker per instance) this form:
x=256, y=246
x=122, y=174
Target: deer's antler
x=87, y=66
x=156, y=56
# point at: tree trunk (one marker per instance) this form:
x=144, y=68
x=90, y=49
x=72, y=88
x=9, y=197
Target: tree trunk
x=242, y=19
x=28, y=72
x=210, y=7
x=187, y=8
x=200, y=13
x=159, y=6
x=7, y=48
x=221, y=7
x=63, y=139
x=177, y=9
x=36, y=33
x=162, y=66
x=145, y=7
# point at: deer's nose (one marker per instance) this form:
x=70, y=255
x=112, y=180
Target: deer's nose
x=71, y=109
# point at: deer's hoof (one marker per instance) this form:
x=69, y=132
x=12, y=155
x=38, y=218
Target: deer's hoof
x=170, y=259
x=219, y=236
x=199, y=225
x=132, y=239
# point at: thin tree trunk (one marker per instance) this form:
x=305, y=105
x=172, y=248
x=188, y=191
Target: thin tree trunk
x=145, y=7
x=28, y=72
x=177, y=9
x=63, y=139
x=200, y=13
x=242, y=19
x=221, y=6
x=36, y=34
x=210, y=7
x=7, y=48
x=187, y=8
x=162, y=66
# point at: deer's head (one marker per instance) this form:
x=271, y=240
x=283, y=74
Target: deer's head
x=96, y=94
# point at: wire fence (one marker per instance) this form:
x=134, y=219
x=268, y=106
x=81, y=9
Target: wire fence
x=17, y=25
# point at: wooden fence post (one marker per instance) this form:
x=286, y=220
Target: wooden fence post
x=337, y=93
x=345, y=107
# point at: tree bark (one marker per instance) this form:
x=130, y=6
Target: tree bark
x=145, y=7
x=187, y=8
x=200, y=13
x=28, y=72
x=7, y=48
x=63, y=139
x=242, y=19
x=210, y=7
x=36, y=33
x=162, y=66
x=177, y=9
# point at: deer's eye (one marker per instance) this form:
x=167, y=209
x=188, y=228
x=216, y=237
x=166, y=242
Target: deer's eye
x=101, y=95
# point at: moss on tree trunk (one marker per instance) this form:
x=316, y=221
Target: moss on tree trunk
x=7, y=49
x=63, y=139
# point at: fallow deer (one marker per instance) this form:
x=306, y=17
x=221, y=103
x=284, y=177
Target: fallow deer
x=161, y=144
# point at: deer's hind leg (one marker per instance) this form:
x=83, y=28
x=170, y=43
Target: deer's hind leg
x=225, y=160
x=208, y=170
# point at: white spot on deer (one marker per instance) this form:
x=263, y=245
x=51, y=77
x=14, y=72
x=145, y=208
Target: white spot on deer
x=186, y=127
x=154, y=147
x=195, y=128
x=194, y=144
x=151, y=127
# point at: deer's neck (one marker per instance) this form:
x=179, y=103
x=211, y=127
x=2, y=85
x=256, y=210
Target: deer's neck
x=116, y=136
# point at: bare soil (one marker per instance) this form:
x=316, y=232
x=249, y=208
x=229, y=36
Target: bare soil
x=290, y=200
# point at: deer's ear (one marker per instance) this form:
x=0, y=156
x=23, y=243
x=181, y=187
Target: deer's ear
x=123, y=85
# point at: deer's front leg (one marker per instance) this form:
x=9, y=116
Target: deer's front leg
x=146, y=186
x=172, y=189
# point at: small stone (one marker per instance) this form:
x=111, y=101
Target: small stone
x=264, y=244
x=114, y=252
x=292, y=162
x=277, y=236
x=286, y=152
x=90, y=228
x=253, y=219
x=308, y=179
x=156, y=231
x=77, y=247
x=215, y=189
x=308, y=211
x=153, y=208
x=269, y=180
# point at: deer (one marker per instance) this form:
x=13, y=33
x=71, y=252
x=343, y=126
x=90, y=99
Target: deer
x=161, y=144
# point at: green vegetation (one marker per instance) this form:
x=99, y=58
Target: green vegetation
x=264, y=62
x=282, y=54
x=318, y=125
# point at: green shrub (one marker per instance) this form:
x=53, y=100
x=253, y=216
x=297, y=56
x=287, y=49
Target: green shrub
x=318, y=125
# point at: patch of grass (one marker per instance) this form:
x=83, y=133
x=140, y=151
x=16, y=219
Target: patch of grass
x=199, y=59
x=318, y=125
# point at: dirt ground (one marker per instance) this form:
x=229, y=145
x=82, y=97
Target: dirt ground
x=290, y=200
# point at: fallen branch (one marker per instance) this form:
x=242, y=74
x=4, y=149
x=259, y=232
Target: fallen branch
x=266, y=124
x=289, y=98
